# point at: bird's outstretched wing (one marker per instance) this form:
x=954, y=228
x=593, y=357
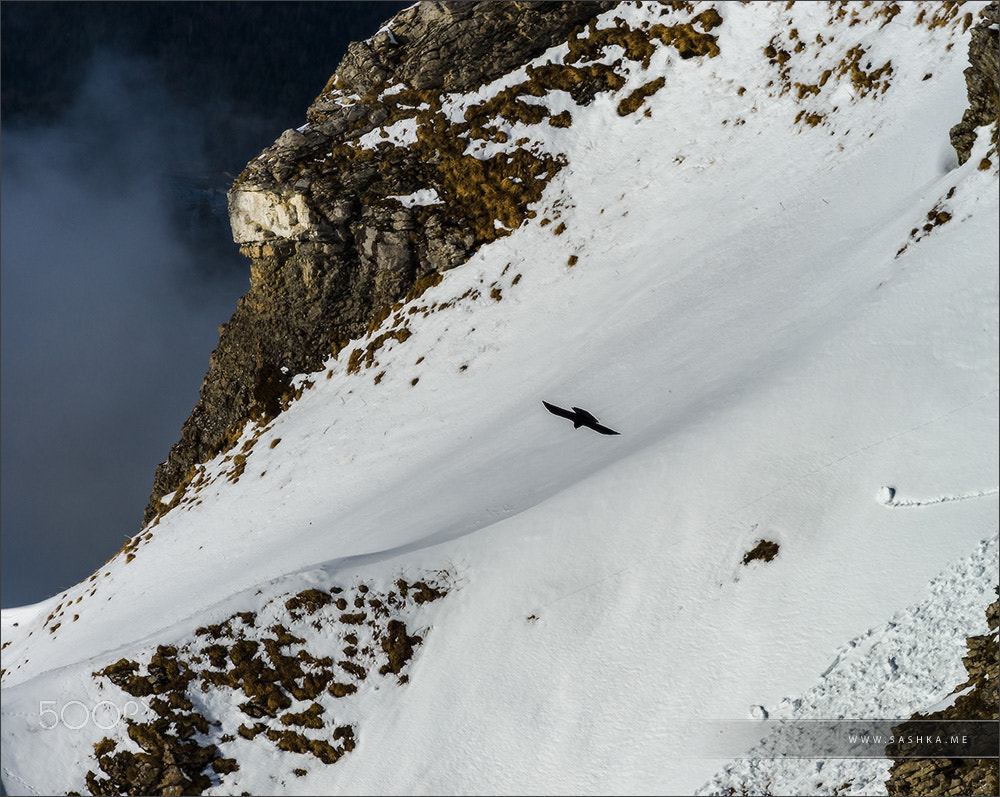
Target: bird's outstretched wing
x=602, y=429
x=560, y=411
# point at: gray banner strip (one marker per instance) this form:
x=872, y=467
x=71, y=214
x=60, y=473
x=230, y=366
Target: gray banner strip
x=848, y=738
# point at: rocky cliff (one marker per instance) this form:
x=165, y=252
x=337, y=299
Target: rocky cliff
x=388, y=183
x=977, y=699
x=380, y=191
x=982, y=78
x=321, y=216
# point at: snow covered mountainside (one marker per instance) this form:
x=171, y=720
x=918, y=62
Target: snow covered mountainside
x=755, y=255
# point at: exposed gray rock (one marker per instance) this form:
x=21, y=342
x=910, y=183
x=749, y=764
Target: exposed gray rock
x=459, y=44
x=982, y=77
x=291, y=139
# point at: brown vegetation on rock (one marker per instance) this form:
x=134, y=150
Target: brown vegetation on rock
x=959, y=776
x=274, y=677
x=765, y=551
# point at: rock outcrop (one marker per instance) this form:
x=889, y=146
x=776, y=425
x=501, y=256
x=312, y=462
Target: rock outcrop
x=401, y=172
x=982, y=78
x=338, y=228
x=977, y=699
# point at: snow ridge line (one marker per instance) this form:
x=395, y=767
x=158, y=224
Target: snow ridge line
x=887, y=497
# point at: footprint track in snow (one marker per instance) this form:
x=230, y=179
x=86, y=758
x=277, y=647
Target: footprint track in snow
x=887, y=497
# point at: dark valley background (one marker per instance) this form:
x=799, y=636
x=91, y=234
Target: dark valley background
x=123, y=125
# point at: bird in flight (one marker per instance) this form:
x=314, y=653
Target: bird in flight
x=579, y=418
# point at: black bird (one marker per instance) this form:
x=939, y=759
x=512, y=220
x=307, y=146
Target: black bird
x=579, y=418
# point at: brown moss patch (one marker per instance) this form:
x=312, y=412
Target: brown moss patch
x=865, y=79
x=398, y=647
x=354, y=669
x=939, y=15
x=366, y=356
x=223, y=766
x=564, y=119
x=634, y=101
x=936, y=216
x=689, y=42
x=294, y=742
x=420, y=591
x=592, y=46
x=803, y=90
x=810, y=118
x=310, y=718
x=308, y=601
x=338, y=689
x=764, y=551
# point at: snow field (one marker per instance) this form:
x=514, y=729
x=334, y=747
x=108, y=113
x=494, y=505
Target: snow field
x=738, y=312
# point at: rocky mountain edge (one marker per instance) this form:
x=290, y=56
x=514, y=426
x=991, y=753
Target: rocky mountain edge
x=328, y=246
x=981, y=701
x=323, y=216
x=982, y=77
x=376, y=195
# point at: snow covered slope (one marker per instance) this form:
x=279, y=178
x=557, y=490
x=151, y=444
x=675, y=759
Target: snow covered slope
x=773, y=279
